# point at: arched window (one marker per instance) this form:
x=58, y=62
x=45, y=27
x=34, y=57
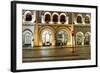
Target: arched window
x=79, y=38
x=87, y=20
x=79, y=19
x=87, y=38
x=62, y=19
x=55, y=18
x=28, y=17
x=47, y=18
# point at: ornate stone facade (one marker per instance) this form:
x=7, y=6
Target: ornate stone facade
x=53, y=28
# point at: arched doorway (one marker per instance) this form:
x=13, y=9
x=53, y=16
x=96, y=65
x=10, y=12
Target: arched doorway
x=61, y=38
x=87, y=38
x=46, y=38
x=79, y=38
x=27, y=38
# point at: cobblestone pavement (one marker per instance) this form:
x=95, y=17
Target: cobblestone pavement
x=38, y=54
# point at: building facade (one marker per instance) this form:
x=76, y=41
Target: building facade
x=55, y=28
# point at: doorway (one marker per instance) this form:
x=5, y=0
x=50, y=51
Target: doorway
x=46, y=38
x=61, y=38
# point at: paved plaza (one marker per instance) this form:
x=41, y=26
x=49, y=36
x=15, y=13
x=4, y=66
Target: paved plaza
x=38, y=54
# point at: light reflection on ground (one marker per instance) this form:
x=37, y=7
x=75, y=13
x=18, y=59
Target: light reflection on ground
x=55, y=53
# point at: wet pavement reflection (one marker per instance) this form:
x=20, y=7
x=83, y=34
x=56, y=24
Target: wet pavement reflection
x=37, y=54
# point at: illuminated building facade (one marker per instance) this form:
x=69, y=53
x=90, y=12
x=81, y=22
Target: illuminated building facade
x=55, y=28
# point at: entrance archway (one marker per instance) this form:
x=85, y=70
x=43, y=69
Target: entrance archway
x=46, y=38
x=67, y=36
x=61, y=38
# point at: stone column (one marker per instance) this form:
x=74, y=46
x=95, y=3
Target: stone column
x=36, y=31
x=59, y=19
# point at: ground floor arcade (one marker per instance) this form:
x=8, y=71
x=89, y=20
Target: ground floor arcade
x=55, y=36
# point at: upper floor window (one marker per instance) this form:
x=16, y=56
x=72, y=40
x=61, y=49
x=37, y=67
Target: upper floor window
x=62, y=19
x=47, y=18
x=28, y=17
x=79, y=19
x=87, y=19
x=55, y=18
